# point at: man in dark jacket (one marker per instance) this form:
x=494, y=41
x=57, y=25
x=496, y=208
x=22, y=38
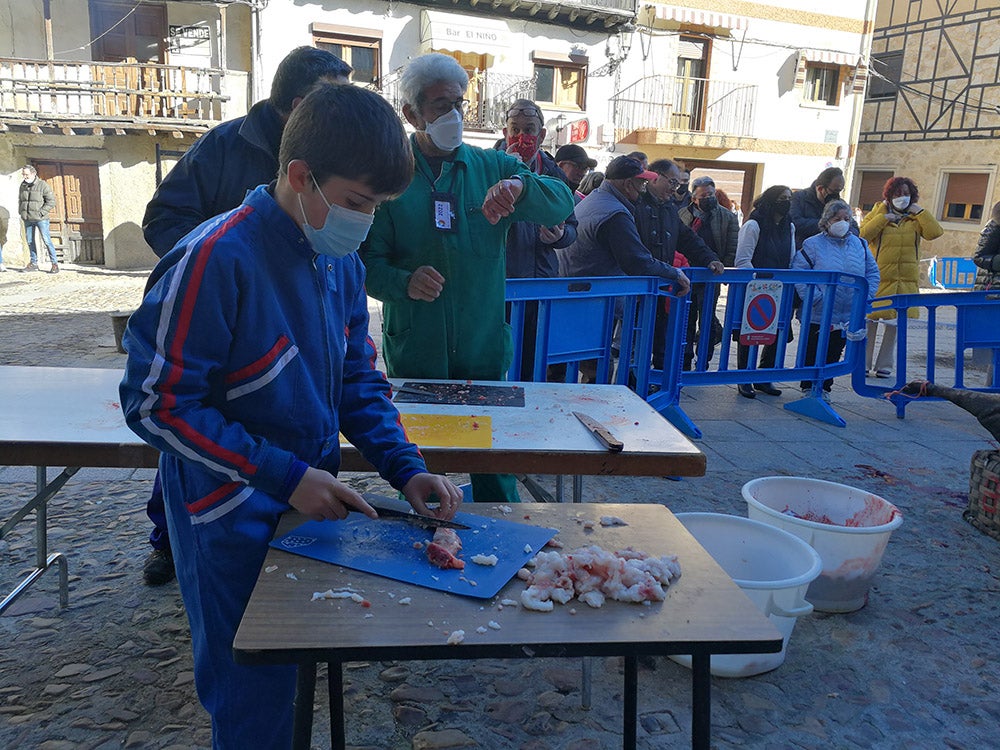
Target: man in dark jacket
x=35, y=201
x=665, y=235
x=236, y=156
x=531, y=248
x=575, y=164
x=807, y=204
x=719, y=229
x=213, y=177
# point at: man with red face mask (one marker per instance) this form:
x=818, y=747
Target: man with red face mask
x=531, y=248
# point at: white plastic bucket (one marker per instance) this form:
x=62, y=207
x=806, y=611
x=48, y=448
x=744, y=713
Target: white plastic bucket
x=772, y=567
x=849, y=527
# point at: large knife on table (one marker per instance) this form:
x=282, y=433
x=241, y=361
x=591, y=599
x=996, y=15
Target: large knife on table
x=397, y=510
x=601, y=432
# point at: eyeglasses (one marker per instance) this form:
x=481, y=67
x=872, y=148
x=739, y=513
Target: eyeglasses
x=671, y=181
x=529, y=111
x=440, y=107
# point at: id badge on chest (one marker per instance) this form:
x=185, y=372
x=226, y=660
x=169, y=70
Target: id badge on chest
x=443, y=205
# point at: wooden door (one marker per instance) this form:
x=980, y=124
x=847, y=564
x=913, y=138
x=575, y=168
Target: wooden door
x=128, y=31
x=75, y=222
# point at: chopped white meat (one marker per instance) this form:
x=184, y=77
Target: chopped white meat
x=405, y=600
x=508, y=602
x=270, y=568
x=594, y=574
x=524, y=574
x=612, y=521
x=530, y=600
x=493, y=624
x=489, y=560
x=481, y=629
x=527, y=549
x=594, y=599
x=331, y=594
x=456, y=637
x=291, y=576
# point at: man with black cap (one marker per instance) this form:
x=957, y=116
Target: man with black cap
x=575, y=164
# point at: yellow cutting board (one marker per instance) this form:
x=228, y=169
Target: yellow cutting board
x=447, y=431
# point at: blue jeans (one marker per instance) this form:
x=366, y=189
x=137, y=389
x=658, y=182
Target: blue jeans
x=43, y=228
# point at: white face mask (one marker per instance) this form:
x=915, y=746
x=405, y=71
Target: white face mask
x=343, y=231
x=446, y=131
x=839, y=228
x=901, y=202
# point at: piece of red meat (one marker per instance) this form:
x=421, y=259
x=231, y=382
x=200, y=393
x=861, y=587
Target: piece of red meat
x=444, y=548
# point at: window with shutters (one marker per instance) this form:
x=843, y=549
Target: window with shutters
x=872, y=183
x=359, y=48
x=691, y=83
x=964, y=196
x=560, y=80
x=883, y=80
x=822, y=84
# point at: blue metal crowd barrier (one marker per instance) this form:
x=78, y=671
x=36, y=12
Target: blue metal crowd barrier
x=720, y=371
x=976, y=327
x=952, y=273
x=577, y=318
x=581, y=319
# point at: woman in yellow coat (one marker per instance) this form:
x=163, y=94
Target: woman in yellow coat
x=893, y=229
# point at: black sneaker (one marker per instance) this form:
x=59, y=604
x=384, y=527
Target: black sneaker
x=31, y=267
x=159, y=567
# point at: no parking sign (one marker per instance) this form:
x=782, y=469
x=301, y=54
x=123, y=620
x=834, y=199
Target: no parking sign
x=760, y=313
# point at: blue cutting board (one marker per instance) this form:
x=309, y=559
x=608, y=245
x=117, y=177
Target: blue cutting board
x=386, y=549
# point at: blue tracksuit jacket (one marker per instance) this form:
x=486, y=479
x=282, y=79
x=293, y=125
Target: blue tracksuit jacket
x=246, y=358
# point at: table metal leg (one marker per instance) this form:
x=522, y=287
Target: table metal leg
x=586, y=673
x=302, y=718
x=335, y=685
x=44, y=491
x=559, y=489
x=577, y=489
x=630, y=701
x=701, y=701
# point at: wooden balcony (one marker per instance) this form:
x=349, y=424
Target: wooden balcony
x=90, y=96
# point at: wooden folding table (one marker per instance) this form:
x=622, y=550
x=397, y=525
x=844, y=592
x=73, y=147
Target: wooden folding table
x=704, y=613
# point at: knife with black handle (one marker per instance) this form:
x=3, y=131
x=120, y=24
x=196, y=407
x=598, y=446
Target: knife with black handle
x=392, y=510
x=601, y=432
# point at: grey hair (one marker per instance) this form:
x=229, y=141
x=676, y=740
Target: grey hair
x=704, y=181
x=30, y=168
x=830, y=209
x=427, y=70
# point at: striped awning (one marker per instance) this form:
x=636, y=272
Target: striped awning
x=830, y=57
x=696, y=17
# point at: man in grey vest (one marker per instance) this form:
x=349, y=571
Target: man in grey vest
x=607, y=240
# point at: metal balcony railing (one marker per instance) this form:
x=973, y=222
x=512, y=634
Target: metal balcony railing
x=677, y=103
x=98, y=91
x=490, y=95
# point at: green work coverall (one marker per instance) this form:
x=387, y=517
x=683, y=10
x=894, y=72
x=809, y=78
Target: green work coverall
x=463, y=334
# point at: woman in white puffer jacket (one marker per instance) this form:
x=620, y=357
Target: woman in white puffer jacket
x=835, y=248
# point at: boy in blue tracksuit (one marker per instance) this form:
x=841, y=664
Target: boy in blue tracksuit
x=246, y=359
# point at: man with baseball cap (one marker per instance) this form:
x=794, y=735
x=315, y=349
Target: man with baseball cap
x=574, y=163
x=607, y=242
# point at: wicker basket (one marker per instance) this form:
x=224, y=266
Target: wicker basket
x=984, y=493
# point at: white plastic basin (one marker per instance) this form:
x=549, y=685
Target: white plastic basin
x=771, y=566
x=848, y=527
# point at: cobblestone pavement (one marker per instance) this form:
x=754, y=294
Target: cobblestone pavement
x=915, y=668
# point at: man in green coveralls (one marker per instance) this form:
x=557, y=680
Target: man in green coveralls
x=435, y=256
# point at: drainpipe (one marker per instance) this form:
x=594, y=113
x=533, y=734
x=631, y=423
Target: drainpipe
x=854, y=136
